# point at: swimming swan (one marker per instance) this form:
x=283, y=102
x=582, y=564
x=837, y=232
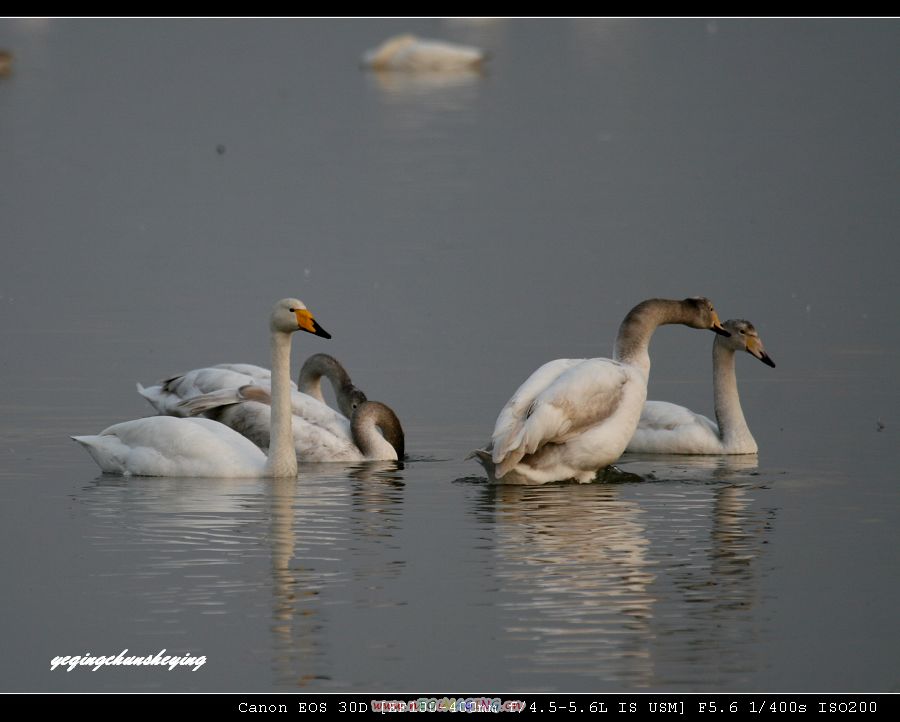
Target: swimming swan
x=573, y=417
x=166, y=446
x=167, y=395
x=412, y=54
x=373, y=432
x=666, y=428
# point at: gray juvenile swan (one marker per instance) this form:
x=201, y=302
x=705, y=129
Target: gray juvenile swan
x=318, y=365
x=166, y=446
x=572, y=417
x=667, y=428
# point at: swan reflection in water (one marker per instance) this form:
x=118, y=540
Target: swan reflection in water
x=615, y=582
x=410, y=85
x=308, y=571
x=413, y=102
x=573, y=569
x=197, y=547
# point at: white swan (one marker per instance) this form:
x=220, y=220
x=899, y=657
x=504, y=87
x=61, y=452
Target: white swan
x=167, y=395
x=412, y=54
x=165, y=446
x=373, y=433
x=666, y=428
x=573, y=417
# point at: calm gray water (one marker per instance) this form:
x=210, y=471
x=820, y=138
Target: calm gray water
x=166, y=181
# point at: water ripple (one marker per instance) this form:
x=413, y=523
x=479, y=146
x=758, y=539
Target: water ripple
x=609, y=582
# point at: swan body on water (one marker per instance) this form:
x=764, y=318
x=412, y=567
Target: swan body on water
x=372, y=433
x=412, y=54
x=166, y=446
x=572, y=417
x=169, y=446
x=666, y=428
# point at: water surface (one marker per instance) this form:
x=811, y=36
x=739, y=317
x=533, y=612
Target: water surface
x=166, y=181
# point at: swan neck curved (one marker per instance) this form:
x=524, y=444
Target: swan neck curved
x=310, y=384
x=377, y=432
x=633, y=340
x=733, y=430
x=317, y=366
x=282, y=460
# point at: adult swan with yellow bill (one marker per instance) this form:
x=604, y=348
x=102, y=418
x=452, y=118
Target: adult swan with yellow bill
x=572, y=417
x=169, y=446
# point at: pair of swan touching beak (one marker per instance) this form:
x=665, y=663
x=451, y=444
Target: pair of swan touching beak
x=249, y=409
x=571, y=417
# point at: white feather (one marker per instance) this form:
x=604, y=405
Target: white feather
x=166, y=396
x=666, y=428
x=167, y=446
x=412, y=54
x=321, y=434
x=572, y=417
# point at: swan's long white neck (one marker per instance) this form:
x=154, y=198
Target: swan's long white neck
x=282, y=461
x=733, y=429
x=633, y=340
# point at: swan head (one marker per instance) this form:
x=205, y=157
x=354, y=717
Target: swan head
x=702, y=314
x=745, y=338
x=350, y=399
x=290, y=314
